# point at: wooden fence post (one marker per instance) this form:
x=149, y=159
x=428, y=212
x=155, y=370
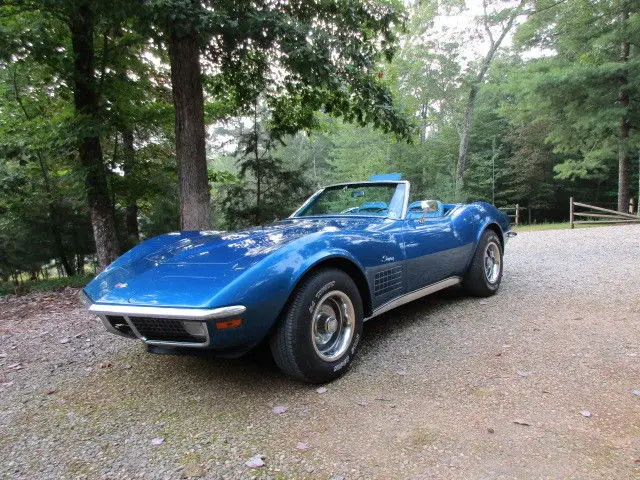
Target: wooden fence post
x=517, y=214
x=571, y=212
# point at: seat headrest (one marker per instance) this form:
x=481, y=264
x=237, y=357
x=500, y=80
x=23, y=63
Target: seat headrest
x=427, y=208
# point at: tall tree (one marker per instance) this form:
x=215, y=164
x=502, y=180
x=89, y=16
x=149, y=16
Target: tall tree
x=188, y=101
x=587, y=87
x=496, y=25
x=81, y=18
x=300, y=56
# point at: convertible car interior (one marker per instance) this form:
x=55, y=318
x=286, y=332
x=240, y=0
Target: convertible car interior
x=423, y=209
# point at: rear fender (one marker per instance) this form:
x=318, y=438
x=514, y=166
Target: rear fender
x=487, y=217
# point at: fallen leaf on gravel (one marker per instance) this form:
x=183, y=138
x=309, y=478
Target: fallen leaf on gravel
x=585, y=413
x=126, y=366
x=48, y=299
x=302, y=446
x=280, y=409
x=51, y=391
x=14, y=366
x=490, y=430
x=6, y=384
x=499, y=354
x=521, y=422
x=65, y=340
x=157, y=441
x=636, y=393
x=321, y=390
x=401, y=372
x=637, y=460
x=363, y=404
x=524, y=374
x=105, y=364
x=255, y=462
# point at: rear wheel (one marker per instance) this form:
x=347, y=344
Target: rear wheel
x=320, y=330
x=485, y=273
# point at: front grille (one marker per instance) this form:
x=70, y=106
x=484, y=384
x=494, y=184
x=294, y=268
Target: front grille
x=164, y=329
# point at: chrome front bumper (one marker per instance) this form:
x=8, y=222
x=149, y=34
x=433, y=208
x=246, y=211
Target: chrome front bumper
x=141, y=322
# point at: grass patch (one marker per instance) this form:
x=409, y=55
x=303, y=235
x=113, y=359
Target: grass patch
x=47, y=285
x=551, y=226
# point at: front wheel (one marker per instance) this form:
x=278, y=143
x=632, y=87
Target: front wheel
x=320, y=330
x=485, y=272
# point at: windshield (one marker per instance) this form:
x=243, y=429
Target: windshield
x=371, y=199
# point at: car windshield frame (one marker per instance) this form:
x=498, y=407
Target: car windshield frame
x=405, y=201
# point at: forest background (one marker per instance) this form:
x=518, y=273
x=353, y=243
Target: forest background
x=121, y=120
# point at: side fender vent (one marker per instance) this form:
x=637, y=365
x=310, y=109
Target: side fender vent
x=387, y=281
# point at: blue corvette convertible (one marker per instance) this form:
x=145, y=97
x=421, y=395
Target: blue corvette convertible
x=307, y=283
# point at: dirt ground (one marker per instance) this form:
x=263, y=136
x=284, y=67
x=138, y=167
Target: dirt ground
x=539, y=381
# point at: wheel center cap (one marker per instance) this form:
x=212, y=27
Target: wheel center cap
x=331, y=325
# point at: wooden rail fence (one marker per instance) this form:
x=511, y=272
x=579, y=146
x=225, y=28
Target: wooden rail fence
x=594, y=214
x=513, y=212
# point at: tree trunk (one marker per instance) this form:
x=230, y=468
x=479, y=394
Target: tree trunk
x=128, y=164
x=258, y=220
x=624, y=160
x=86, y=102
x=463, y=150
x=188, y=101
x=424, y=115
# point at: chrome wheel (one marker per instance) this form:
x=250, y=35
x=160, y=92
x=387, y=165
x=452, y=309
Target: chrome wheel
x=492, y=262
x=333, y=324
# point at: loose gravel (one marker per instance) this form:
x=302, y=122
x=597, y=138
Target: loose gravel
x=539, y=381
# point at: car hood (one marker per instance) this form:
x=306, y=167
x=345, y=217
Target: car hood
x=186, y=269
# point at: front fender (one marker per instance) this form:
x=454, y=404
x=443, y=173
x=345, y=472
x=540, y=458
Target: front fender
x=266, y=287
x=320, y=257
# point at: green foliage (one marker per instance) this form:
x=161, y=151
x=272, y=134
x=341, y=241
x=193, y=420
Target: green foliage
x=578, y=90
x=46, y=285
x=302, y=94
x=297, y=56
x=264, y=187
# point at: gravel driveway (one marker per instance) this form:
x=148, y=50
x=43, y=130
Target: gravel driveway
x=540, y=381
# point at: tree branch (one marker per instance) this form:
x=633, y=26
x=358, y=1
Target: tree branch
x=16, y=93
x=548, y=7
x=485, y=22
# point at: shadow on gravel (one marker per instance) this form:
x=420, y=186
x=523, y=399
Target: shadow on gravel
x=378, y=329
x=257, y=371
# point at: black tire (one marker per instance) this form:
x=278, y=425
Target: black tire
x=295, y=347
x=478, y=281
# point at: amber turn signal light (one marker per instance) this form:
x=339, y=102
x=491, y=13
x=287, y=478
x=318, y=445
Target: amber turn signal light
x=233, y=323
